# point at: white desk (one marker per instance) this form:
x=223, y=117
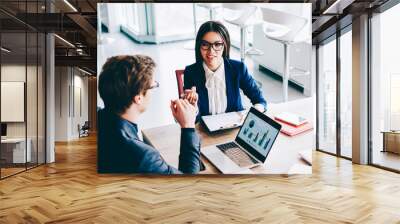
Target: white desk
x=16, y=146
x=283, y=158
x=286, y=148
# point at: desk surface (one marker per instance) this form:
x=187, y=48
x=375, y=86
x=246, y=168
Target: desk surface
x=283, y=158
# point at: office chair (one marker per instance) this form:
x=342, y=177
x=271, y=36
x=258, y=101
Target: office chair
x=284, y=28
x=244, y=16
x=211, y=8
x=84, y=129
x=179, y=81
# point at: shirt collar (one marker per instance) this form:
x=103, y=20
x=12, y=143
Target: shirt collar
x=219, y=72
x=129, y=128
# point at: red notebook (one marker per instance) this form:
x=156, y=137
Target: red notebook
x=291, y=130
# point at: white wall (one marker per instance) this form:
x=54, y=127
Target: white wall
x=33, y=126
x=70, y=83
x=12, y=73
x=61, y=103
x=79, y=117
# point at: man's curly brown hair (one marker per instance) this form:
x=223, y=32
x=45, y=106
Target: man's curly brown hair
x=124, y=77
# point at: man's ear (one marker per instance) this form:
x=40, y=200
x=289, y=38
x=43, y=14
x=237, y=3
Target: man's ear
x=138, y=99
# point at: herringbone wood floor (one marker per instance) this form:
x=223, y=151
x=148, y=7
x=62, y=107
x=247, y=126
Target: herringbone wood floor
x=70, y=191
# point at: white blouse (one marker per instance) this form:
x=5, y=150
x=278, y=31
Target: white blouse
x=216, y=88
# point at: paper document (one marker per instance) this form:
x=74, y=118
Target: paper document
x=291, y=118
x=291, y=130
x=224, y=121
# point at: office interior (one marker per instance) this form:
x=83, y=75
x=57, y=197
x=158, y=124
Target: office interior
x=169, y=41
x=50, y=58
x=39, y=108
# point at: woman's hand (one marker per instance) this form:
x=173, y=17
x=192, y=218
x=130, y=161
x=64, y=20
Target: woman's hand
x=191, y=96
x=260, y=107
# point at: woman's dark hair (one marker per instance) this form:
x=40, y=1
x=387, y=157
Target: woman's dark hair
x=122, y=78
x=212, y=26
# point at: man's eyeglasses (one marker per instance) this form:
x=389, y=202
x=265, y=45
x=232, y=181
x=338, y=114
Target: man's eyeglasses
x=155, y=85
x=217, y=46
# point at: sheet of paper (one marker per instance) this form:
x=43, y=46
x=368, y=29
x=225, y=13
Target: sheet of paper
x=225, y=120
x=291, y=118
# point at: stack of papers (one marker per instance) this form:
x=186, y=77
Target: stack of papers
x=290, y=118
x=293, y=124
x=224, y=121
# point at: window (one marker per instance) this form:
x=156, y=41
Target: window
x=173, y=19
x=132, y=12
x=335, y=94
x=346, y=93
x=385, y=89
x=327, y=96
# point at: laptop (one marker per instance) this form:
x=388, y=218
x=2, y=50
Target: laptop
x=250, y=147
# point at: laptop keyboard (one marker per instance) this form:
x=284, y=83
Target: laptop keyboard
x=233, y=151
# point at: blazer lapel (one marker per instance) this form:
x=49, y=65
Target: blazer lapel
x=203, y=91
x=228, y=82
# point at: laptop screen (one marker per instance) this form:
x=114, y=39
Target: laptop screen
x=258, y=134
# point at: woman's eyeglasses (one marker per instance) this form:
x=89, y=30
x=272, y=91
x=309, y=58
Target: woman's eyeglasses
x=217, y=46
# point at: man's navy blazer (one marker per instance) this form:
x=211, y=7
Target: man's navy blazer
x=121, y=151
x=236, y=77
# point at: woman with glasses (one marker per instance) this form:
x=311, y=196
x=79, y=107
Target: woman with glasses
x=215, y=80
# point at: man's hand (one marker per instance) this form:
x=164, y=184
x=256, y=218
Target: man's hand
x=191, y=95
x=184, y=113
